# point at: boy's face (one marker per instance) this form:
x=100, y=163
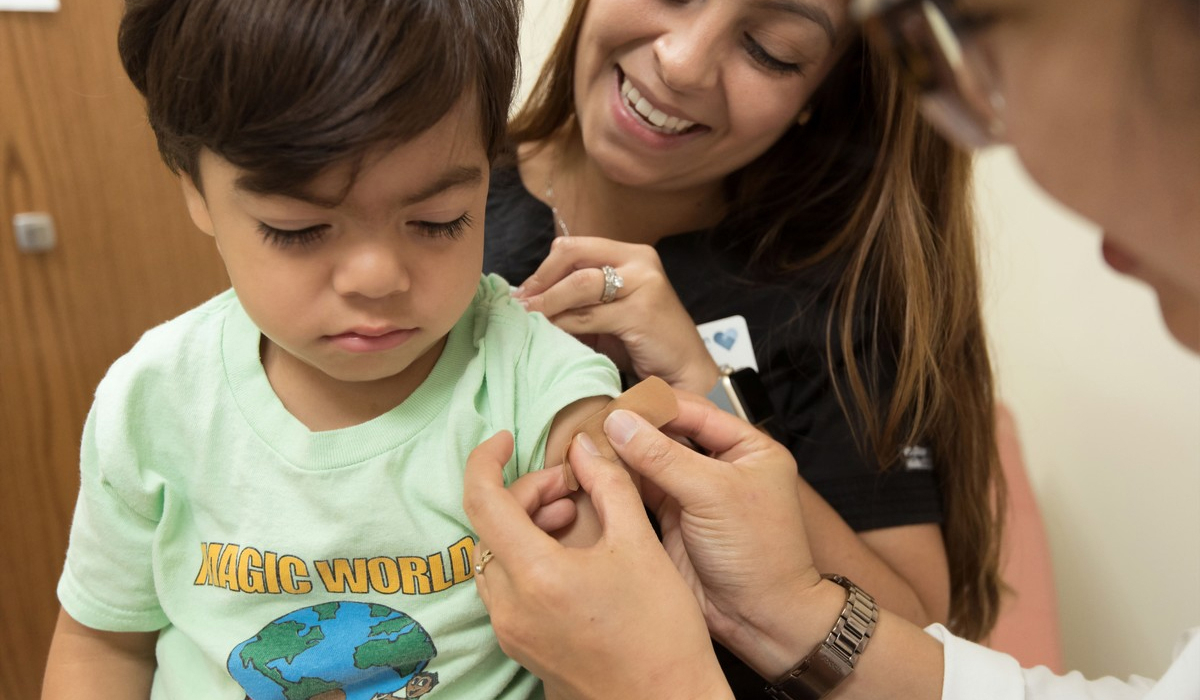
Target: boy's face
x=357, y=293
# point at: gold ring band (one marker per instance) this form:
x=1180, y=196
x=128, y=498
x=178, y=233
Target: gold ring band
x=483, y=561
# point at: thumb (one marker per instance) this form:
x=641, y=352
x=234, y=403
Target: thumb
x=672, y=467
x=492, y=454
x=501, y=517
x=613, y=494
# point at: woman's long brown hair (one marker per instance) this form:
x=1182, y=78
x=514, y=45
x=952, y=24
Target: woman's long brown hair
x=868, y=186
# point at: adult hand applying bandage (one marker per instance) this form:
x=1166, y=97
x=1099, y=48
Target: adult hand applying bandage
x=733, y=525
x=571, y=614
x=733, y=534
x=618, y=614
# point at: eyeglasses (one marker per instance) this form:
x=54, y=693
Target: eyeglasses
x=932, y=40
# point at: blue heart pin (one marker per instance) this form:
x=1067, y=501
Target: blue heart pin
x=726, y=338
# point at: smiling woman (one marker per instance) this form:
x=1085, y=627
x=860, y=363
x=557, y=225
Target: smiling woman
x=755, y=158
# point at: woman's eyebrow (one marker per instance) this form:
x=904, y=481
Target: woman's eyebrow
x=807, y=10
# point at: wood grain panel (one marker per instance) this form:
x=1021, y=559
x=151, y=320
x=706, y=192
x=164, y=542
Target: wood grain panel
x=73, y=142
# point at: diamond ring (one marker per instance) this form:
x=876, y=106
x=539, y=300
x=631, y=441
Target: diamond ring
x=612, y=282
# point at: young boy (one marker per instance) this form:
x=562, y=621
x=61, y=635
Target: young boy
x=271, y=498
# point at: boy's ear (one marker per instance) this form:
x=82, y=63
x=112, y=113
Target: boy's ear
x=197, y=207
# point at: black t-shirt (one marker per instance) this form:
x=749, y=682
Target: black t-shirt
x=786, y=320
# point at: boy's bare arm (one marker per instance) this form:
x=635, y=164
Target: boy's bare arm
x=586, y=528
x=83, y=659
x=652, y=398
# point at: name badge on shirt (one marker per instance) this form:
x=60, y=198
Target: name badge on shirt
x=728, y=341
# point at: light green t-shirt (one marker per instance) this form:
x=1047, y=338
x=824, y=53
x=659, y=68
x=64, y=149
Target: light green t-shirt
x=282, y=563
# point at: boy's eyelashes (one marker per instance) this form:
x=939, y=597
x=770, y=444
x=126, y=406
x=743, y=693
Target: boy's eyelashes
x=304, y=237
x=288, y=238
x=446, y=229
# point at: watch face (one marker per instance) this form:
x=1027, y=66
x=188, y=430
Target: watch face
x=753, y=395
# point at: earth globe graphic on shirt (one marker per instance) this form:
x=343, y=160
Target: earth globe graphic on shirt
x=356, y=651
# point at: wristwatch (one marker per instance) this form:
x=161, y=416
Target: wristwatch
x=833, y=659
x=741, y=392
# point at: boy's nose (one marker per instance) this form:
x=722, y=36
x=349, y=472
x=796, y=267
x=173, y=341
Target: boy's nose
x=373, y=270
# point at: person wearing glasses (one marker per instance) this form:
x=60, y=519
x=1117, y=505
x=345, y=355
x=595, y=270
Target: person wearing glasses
x=1101, y=100
x=654, y=186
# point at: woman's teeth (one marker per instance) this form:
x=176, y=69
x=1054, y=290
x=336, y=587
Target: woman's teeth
x=654, y=118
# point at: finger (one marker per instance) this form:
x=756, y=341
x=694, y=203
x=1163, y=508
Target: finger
x=484, y=590
x=598, y=319
x=555, y=516
x=490, y=578
x=615, y=498
x=541, y=488
x=568, y=255
x=544, y=494
x=579, y=289
x=717, y=432
x=495, y=513
x=676, y=469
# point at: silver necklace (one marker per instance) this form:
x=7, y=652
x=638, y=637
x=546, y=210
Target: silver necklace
x=558, y=219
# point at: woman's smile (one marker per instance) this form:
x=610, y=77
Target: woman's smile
x=636, y=115
x=658, y=119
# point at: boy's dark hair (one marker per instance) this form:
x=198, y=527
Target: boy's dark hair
x=283, y=89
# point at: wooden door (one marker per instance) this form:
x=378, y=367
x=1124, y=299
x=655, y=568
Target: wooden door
x=73, y=143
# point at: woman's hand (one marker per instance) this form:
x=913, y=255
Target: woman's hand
x=593, y=622
x=644, y=329
x=732, y=523
x=615, y=619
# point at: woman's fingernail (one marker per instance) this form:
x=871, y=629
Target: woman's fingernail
x=517, y=291
x=588, y=446
x=524, y=303
x=620, y=427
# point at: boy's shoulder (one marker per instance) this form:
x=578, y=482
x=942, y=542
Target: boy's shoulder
x=522, y=343
x=498, y=316
x=493, y=307
x=182, y=346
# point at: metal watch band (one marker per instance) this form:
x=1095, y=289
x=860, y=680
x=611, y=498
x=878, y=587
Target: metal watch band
x=833, y=659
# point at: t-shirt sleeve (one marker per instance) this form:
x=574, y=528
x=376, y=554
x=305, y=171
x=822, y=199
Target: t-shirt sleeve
x=545, y=370
x=557, y=370
x=108, y=581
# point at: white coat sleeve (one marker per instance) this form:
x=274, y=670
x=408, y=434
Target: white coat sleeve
x=974, y=672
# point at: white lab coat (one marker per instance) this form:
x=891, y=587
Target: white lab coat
x=974, y=672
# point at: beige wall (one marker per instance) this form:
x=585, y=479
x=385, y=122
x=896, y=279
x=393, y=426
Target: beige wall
x=542, y=21
x=1108, y=406
x=1109, y=409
